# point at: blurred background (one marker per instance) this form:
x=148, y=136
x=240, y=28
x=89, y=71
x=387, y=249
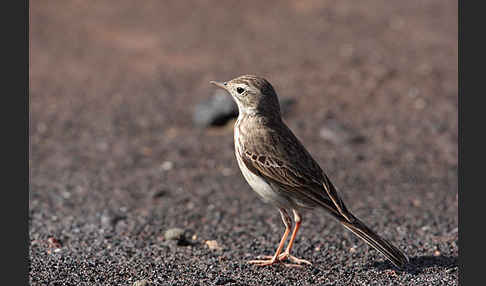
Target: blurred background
x=118, y=154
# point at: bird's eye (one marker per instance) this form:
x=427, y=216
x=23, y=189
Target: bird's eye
x=239, y=90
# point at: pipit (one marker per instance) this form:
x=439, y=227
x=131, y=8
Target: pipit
x=278, y=167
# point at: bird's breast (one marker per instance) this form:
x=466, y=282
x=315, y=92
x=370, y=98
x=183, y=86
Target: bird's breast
x=256, y=182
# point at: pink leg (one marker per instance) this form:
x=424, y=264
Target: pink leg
x=286, y=253
x=275, y=258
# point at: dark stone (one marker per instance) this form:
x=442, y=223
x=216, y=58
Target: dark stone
x=220, y=108
x=215, y=111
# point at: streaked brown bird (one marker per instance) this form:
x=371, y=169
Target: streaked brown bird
x=279, y=168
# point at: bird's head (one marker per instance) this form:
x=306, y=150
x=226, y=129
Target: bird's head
x=252, y=94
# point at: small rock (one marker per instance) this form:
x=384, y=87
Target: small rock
x=146, y=151
x=220, y=108
x=336, y=133
x=174, y=234
x=450, y=270
x=226, y=172
x=215, y=111
x=420, y=103
x=143, y=282
x=213, y=245
x=54, y=243
x=159, y=194
x=178, y=235
x=110, y=220
x=357, y=139
x=329, y=135
x=105, y=220
x=360, y=157
x=416, y=203
x=41, y=127
x=167, y=165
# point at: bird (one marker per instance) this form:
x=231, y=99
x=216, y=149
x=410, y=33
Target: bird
x=283, y=173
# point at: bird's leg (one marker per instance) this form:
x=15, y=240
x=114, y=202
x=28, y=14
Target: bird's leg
x=286, y=254
x=275, y=258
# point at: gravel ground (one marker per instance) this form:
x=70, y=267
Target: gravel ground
x=126, y=190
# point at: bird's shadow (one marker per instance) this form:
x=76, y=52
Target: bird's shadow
x=418, y=264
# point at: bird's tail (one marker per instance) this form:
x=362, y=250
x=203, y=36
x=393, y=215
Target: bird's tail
x=395, y=255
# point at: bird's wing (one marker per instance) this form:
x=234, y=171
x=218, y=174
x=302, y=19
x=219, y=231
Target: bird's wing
x=293, y=169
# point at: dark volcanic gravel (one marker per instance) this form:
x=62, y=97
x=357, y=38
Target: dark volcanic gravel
x=116, y=161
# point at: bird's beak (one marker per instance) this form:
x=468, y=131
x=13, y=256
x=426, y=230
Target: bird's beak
x=219, y=84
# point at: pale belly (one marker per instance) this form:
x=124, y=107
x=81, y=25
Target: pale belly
x=260, y=186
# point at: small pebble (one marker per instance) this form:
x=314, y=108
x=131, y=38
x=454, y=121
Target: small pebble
x=146, y=151
x=159, y=194
x=420, y=103
x=336, y=133
x=329, y=135
x=143, y=282
x=167, y=165
x=174, y=234
x=213, y=245
x=54, y=243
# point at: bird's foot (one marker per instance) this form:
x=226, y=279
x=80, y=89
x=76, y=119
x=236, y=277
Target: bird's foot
x=291, y=258
x=266, y=260
x=270, y=260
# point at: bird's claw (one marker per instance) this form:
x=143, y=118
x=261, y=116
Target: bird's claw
x=270, y=260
